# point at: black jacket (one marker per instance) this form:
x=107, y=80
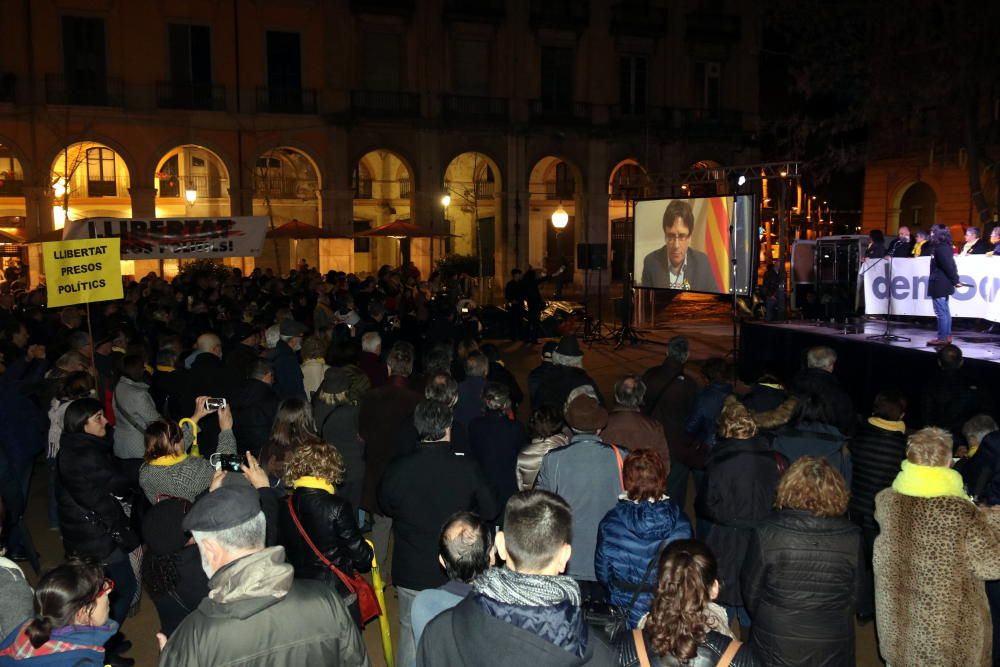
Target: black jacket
x=801, y=581
x=499, y=373
x=338, y=425
x=981, y=471
x=670, y=399
x=944, y=273
x=949, y=400
x=90, y=478
x=167, y=390
x=736, y=494
x=254, y=407
x=468, y=635
x=240, y=359
x=383, y=411
x=875, y=457
x=420, y=491
x=332, y=525
x=825, y=385
x=560, y=382
x=709, y=653
x=208, y=377
x=495, y=442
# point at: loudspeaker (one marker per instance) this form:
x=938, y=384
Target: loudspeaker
x=592, y=256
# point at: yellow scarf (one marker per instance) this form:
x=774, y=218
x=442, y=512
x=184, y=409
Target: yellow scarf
x=916, y=248
x=168, y=460
x=165, y=369
x=886, y=425
x=309, y=482
x=928, y=482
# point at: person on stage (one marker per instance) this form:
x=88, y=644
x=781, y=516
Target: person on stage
x=995, y=242
x=677, y=265
x=876, y=245
x=974, y=243
x=922, y=248
x=902, y=246
x=943, y=281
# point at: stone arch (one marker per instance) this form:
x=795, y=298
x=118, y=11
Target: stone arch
x=93, y=179
x=126, y=156
x=554, y=182
x=28, y=172
x=474, y=182
x=387, y=197
x=196, y=168
x=914, y=205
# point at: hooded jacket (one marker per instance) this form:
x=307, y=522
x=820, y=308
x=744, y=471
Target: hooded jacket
x=256, y=612
x=70, y=646
x=630, y=537
x=134, y=410
x=815, y=439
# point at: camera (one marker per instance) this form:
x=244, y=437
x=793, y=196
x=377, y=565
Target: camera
x=215, y=403
x=227, y=462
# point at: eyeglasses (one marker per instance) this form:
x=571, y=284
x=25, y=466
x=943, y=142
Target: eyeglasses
x=677, y=238
x=106, y=588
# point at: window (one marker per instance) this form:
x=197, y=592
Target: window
x=169, y=178
x=190, y=54
x=362, y=183
x=84, y=59
x=627, y=181
x=557, y=79
x=101, y=173
x=381, y=59
x=632, y=84
x=707, y=80
x=362, y=243
x=564, y=186
x=470, y=67
x=284, y=67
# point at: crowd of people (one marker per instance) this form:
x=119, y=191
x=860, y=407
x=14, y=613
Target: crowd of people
x=242, y=450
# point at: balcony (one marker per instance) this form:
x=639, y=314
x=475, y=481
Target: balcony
x=714, y=27
x=84, y=91
x=480, y=11
x=286, y=100
x=11, y=187
x=637, y=115
x=273, y=186
x=548, y=111
x=8, y=87
x=193, y=96
x=564, y=14
x=633, y=17
x=403, y=8
x=477, y=109
x=385, y=104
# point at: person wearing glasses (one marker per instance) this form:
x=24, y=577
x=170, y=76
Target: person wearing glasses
x=677, y=265
x=71, y=621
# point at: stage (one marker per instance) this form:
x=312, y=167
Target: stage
x=865, y=366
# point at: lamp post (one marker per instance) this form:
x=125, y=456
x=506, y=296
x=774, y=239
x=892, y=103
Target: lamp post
x=560, y=218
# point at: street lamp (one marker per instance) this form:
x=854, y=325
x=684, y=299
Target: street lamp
x=446, y=200
x=191, y=195
x=560, y=218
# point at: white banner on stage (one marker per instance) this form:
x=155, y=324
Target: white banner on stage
x=909, y=287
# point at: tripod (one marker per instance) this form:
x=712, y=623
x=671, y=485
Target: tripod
x=593, y=332
x=885, y=336
x=627, y=332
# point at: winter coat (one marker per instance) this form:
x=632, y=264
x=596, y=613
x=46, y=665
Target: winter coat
x=944, y=272
x=209, y=377
x=981, y=471
x=338, y=426
x=16, y=597
x=560, y=382
x=469, y=635
x=167, y=388
x=630, y=428
x=709, y=654
x=875, y=457
x=670, y=397
x=255, y=406
x=257, y=613
x=629, y=539
x=585, y=473
x=931, y=558
x=536, y=376
x=763, y=397
x=801, y=581
x=90, y=477
x=73, y=646
x=949, y=400
x=470, y=399
x=134, y=411
x=22, y=421
x=313, y=371
x=825, y=385
x=499, y=373
x=815, y=439
x=495, y=441
x=420, y=491
x=704, y=420
x=332, y=525
x=382, y=412
x=736, y=494
x=288, y=382
x=529, y=459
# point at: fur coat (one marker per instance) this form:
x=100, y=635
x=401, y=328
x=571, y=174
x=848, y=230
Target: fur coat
x=930, y=562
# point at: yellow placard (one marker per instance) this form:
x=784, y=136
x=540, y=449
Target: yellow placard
x=82, y=271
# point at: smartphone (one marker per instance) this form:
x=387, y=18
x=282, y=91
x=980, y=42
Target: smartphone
x=215, y=403
x=227, y=462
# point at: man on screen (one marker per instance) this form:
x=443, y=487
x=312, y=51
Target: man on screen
x=677, y=265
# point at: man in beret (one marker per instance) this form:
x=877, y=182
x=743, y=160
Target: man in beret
x=256, y=611
x=288, y=381
x=565, y=375
x=587, y=473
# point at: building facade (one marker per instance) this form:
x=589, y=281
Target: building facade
x=349, y=114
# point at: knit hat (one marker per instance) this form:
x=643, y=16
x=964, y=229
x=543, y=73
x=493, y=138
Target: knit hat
x=586, y=415
x=569, y=346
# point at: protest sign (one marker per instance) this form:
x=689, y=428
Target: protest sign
x=82, y=271
x=176, y=238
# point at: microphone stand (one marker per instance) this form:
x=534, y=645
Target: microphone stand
x=885, y=336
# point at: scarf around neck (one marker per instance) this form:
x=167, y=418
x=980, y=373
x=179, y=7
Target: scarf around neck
x=887, y=425
x=309, y=482
x=928, y=482
x=531, y=590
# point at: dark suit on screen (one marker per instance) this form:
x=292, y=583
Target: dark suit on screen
x=697, y=271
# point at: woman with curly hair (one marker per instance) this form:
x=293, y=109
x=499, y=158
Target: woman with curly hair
x=293, y=428
x=802, y=575
x=312, y=513
x=685, y=628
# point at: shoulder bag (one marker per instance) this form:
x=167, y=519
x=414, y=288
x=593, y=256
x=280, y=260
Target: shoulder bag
x=367, y=602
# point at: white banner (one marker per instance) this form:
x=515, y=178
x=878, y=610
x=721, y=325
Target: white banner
x=909, y=287
x=175, y=238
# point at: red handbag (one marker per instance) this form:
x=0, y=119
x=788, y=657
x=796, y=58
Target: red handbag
x=367, y=602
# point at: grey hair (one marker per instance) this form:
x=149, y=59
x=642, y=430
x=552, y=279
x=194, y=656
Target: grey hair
x=678, y=348
x=630, y=391
x=371, y=342
x=247, y=536
x=477, y=364
x=582, y=390
x=567, y=360
x=978, y=427
x=441, y=387
x=496, y=396
x=821, y=357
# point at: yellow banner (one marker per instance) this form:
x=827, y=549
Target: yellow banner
x=82, y=271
